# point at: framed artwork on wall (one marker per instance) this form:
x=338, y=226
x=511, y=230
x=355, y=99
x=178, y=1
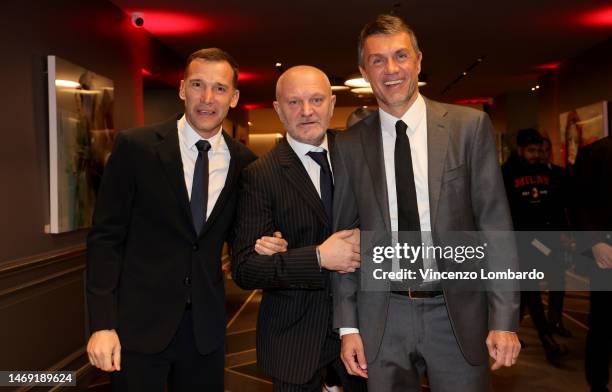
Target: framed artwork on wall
x=580, y=127
x=81, y=136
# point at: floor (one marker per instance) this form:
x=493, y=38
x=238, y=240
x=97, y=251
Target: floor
x=532, y=373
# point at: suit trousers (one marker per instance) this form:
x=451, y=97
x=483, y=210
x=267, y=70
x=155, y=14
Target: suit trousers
x=599, y=341
x=330, y=361
x=180, y=365
x=418, y=337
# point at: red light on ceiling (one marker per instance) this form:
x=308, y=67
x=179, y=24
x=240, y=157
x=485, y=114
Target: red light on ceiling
x=146, y=72
x=253, y=106
x=548, y=66
x=474, y=101
x=598, y=18
x=172, y=23
x=244, y=76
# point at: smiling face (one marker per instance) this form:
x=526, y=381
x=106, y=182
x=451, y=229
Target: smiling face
x=392, y=66
x=208, y=92
x=304, y=103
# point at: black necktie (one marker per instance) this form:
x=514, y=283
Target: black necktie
x=199, y=188
x=407, y=208
x=325, y=180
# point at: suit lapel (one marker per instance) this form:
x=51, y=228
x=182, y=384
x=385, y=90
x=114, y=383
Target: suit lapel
x=437, y=145
x=169, y=155
x=232, y=177
x=297, y=176
x=371, y=142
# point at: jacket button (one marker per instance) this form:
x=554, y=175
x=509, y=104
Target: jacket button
x=195, y=247
x=187, y=281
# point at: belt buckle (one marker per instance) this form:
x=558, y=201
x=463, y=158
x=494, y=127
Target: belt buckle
x=410, y=294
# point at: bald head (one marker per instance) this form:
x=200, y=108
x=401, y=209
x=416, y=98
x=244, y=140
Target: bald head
x=301, y=73
x=304, y=103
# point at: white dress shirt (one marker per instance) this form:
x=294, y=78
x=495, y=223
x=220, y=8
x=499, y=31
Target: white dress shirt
x=416, y=119
x=218, y=160
x=312, y=167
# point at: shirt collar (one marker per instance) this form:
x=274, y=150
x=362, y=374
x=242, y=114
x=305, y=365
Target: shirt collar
x=301, y=149
x=413, y=117
x=191, y=137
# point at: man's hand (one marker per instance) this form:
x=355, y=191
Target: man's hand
x=353, y=356
x=104, y=350
x=267, y=246
x=603, y=255
x=504, y=348
x=340, y=252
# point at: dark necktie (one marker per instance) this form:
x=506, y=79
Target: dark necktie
x=199, y=188
x=325, y=180
x=407, y=208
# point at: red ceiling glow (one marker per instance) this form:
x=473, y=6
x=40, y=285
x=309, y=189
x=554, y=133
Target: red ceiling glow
x=253, y=106
x=146, y=72
x=598, y=18
x=548, y=66
x=173, y=23
x=474, y=101
x=244, y=76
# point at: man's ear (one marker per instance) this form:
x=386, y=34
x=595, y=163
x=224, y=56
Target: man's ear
x=182, y=90
x=235, y=97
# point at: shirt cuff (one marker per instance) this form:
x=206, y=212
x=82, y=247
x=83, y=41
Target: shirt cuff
x=346, y=331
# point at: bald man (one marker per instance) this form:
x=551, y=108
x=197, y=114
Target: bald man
x=289, y=190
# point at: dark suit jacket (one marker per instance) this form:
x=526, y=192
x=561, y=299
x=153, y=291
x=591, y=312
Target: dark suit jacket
x=143, y=244
x=278, y=194
x=466, y=193
x=592, y=211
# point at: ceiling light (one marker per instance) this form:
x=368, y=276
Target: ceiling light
x=357, y=82
x=339, y=88
x=421, y=84
x=66, y=83
x=362, y=90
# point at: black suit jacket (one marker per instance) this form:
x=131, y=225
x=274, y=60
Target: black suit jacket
x=592, y=212
x=143, y=244
x=278, y=194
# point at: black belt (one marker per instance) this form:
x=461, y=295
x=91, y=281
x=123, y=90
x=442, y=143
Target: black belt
x=423, y=291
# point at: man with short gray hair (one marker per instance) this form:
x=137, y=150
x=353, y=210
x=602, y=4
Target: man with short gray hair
x=422, y=167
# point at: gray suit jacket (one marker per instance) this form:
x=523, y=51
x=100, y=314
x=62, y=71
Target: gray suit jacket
x=466, y=193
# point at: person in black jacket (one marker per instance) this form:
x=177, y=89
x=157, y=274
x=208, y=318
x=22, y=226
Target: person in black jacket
x=593, y=212
x=289, y=190
x=532, y=197
x=155, y=289
x=560, y=196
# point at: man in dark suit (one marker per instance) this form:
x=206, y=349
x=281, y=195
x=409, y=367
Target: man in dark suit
x=422, y=167
x=289, y=190
x=593, y=212
x=155, y=289
x=561, y=200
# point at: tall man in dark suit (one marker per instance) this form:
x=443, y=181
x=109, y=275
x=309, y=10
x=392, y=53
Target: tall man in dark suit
x=289, y=190
x=166, y=205
x=425, y=167
x=593, y=212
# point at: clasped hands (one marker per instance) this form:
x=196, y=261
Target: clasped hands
x=340, y=252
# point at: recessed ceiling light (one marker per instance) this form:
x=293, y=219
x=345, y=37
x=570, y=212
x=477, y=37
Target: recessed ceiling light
x=357, y=82
x=362, y=90
x=66, y=83
x=339, y=88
